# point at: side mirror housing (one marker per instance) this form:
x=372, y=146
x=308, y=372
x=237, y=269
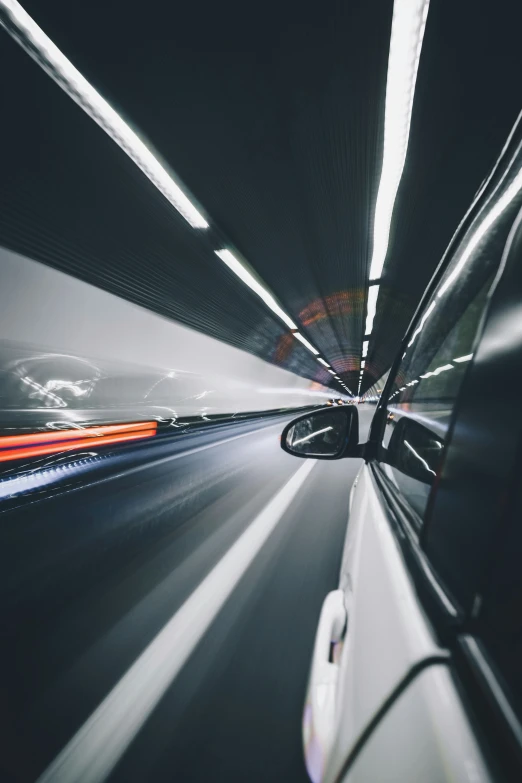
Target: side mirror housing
x=331, y=433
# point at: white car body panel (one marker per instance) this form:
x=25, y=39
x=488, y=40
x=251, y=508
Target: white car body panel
x=387, y=634
x=425, y=737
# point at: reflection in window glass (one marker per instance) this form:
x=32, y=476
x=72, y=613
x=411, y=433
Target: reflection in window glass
x=427, y=384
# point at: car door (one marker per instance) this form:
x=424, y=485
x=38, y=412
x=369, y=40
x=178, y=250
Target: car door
x=388, y=668
x=462, y=720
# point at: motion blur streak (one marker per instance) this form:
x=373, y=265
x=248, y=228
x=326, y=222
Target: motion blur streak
x=125, y=350
x=39, y=443
x=58, y=448
x=96, y=748
x=8, y=441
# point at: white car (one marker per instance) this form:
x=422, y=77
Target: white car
x=416, y=674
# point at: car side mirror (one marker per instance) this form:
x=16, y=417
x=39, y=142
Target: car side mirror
x=323, y=434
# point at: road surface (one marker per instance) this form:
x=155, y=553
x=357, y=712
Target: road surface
x=158, y=623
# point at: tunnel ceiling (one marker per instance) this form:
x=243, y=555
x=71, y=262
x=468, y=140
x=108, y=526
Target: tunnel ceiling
x=272, y=116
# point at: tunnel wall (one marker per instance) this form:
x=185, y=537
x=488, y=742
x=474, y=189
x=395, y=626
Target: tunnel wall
x=67, y=329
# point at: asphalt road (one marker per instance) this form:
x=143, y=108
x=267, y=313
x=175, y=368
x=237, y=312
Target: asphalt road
x=164, y=617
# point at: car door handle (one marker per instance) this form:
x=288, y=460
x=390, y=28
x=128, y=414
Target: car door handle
x=319, y=712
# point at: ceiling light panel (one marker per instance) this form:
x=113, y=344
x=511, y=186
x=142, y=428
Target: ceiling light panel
x=40, y=47
x=407, y=33
x=305, y=342
x=373, y=293
x=242, y=272
x=408, y=24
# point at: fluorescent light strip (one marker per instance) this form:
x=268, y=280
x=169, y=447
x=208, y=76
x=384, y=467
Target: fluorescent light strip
x=466, y=358
x=365, y=348
x=305, y=342
x=362, y=364
x=373, y=293
x=242, y=272
x=330, y=371
x=36, y=43
x=39, y=46
x=408, y=24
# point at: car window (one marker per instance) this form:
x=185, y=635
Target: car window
x=427, y=384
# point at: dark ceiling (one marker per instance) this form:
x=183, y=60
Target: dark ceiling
x=272, y=116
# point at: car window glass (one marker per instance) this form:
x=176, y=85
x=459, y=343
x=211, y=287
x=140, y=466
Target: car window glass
x=427, y=385
x=440, y=347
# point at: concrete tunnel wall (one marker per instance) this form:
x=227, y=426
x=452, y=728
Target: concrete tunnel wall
x=44, y=310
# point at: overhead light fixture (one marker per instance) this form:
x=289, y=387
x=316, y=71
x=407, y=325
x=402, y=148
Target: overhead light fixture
x=363, y=363
x=373, y=292
x=39, y=46
x=305, y=342
x=408, y=25
x=466, y=358
x=407, y=33
x=365, y=348
x=247, y=277
x=322, y=361
x=330, y=371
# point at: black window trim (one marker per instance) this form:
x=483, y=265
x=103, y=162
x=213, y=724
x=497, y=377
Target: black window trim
x=490, y=705
x=441, y=608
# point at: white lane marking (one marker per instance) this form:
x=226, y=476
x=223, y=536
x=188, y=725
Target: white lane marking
x=96, y=748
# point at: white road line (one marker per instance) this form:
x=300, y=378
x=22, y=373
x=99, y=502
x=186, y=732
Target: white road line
x=96, y=748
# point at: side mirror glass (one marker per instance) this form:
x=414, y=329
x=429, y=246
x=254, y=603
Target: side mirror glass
x=415, y=450
x=324, y=434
